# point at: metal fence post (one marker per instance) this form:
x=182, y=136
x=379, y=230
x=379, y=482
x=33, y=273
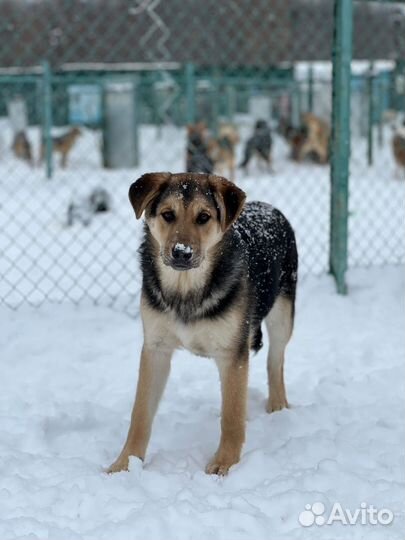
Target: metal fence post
x=340, y=144
x=215, y=102
x=190, y=92
x=370, y=133
x=47, y=117
x=380, y=133
x=310, y=88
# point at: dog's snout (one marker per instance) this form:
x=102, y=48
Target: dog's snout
x=182, y=253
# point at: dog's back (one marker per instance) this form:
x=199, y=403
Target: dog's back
x=271, y=254
x=64, y=142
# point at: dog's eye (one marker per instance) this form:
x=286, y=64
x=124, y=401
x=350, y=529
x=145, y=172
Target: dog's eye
x=168, y=216
x=202, y=218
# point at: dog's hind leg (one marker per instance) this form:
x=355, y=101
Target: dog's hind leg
x=279, y=323
x=153, y=373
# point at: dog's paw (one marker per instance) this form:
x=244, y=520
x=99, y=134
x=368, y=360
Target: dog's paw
x=276, y=404
x=220, y=465
x=121, y=464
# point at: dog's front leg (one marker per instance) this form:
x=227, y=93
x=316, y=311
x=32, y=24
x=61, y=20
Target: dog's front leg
x=153, y=373
x=234, y=379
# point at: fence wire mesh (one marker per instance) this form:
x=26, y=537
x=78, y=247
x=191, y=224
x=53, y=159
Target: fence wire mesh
x=94, y=93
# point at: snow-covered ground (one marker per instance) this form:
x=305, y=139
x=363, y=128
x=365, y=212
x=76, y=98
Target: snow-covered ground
x=42, y=259
x=68, y=379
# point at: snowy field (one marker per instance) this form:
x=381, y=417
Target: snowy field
x=43, y=259
x=69, y=372
x=68, y=379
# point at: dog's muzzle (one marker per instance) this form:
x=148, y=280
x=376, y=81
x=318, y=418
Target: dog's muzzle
x=182, y=257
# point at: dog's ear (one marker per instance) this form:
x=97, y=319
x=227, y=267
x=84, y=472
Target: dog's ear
x=145, y=189
x=230, y=199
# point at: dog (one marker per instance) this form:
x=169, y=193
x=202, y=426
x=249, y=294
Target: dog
x=295, y=137
x=22, y=147
x=213, y=269
x=222, y=150
x=316, y=144
x=198, y=158
x=398, y=149
x=63, y=145
x=259, y=144
x=82, y=209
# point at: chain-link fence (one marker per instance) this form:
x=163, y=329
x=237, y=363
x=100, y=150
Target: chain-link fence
x=94, y=93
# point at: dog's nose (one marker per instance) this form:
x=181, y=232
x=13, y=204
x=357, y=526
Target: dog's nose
x=182, y=253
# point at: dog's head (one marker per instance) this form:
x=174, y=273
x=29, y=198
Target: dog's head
x=187, y=214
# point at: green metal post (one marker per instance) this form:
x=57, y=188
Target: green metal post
x=370, y=141
x=340, y=143
x=135, y=82
x=310, y=88
x=47, y=117
x=230, y=102
x=381, y=88
x=190, y=92
x=215, y=102
x=295, y=106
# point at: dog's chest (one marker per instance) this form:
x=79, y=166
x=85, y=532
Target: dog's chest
x=207, y=338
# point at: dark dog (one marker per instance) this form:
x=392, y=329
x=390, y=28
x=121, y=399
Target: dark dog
x=22, y=147
x=398, y=148
x=259, y=144
x=213, y=270
x=295, y=136
x=83, y=209
x=198, y=158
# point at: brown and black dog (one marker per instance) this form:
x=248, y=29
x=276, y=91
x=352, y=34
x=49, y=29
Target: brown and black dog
x=22, y=147
x=198, y=158
x=221, y=150
x=213, y=269
x=63, y=145
x=206, y=154
x=316, y=143
x=398, y=149
x=309, y=141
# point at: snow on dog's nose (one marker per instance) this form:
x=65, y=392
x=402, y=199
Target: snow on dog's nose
x=181, y=256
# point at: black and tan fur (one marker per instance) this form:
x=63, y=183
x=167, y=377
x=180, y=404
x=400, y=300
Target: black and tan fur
x=213, y=269
x=22, y=147
x=316, y=143
x=398, y=149
x=222, y=150
x=63, y=145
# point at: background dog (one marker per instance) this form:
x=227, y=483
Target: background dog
x=398, y=149
x=82, y=209
x=22, y=147
x=258, y=144
x=294, y=136
x=222, y=150
x=213, y=270
x=198, y=158
x=63, y=145
x=316, y=143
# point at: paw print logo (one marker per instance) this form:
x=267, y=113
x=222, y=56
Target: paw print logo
x=312, y=514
